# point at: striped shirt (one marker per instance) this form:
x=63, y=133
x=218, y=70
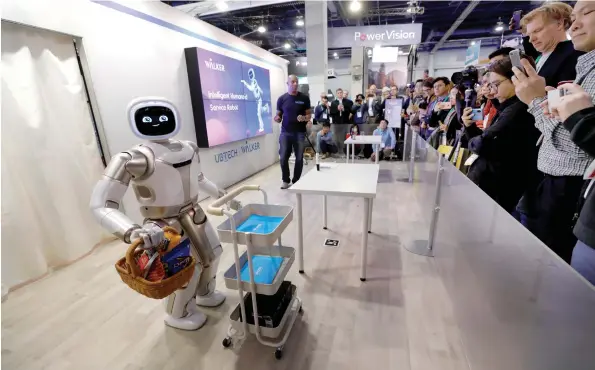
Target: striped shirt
x=558, y=155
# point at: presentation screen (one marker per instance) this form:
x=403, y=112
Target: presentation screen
x=231, y=99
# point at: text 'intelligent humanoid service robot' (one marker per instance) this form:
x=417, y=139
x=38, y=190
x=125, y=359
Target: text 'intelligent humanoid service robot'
x=166, y=177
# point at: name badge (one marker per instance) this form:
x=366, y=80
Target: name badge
x=324, y=116
x=485, y=121
x=471, y=159
x=359, y=114
x=331, y=120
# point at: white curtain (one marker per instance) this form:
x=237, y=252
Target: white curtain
x=50, y=159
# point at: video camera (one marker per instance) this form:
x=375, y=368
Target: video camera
x=468, y=78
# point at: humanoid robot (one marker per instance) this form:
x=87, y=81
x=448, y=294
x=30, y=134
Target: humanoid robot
x=257, y=91
x=166, y=177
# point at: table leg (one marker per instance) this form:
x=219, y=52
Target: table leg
x=365, y=224
x=324, y=211
x=370, y=216
x=347, y=158
x=377, y=153
x=300, y=233
x=353, y=153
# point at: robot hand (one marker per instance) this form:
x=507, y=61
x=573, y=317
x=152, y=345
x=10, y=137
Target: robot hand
x=151, y=234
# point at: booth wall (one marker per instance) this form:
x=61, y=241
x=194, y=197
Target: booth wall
x=446, y=62
x=137, y=49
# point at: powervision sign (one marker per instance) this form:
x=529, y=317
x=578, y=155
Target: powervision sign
x=389, y=35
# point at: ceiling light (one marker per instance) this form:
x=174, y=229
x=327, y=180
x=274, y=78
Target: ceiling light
x=262, y=29
x=222, y=5
x=299, y=22
x=472, y=42
x=335, y=54
x=287, y=45
x=355, y=6
x=499, y=26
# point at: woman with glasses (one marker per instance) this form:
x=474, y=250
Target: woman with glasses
x=505, y=155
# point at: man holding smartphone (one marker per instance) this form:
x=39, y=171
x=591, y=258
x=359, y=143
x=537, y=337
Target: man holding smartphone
x=551, y=208
x=293, y=112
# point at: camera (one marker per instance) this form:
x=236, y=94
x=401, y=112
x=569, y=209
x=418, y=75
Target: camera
x=468, y=79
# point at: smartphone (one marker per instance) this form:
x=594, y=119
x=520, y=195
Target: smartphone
x=515, y=59
x=553, y=98
x=444, y=105
x=477, y=114
x=516, y=19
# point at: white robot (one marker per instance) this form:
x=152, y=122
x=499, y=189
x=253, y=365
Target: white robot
x=166, y=177
x=257, y=91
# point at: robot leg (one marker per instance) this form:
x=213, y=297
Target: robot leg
x=207, y=248
x=181, y=309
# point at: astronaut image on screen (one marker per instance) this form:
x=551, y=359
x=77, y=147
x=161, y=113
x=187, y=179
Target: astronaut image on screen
x=257, y=91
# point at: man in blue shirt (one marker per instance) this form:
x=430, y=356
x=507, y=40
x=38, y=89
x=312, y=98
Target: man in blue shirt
x=293, y=112
x=324, y=141
x=388, y=140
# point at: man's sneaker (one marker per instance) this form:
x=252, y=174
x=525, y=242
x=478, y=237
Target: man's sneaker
x=285, y=185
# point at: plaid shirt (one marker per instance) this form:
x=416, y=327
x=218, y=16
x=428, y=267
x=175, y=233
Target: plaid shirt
x=558, y=155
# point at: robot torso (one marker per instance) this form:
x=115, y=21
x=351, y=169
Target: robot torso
x=169, y=185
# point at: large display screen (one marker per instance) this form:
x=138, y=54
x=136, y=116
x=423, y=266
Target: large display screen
x=231, y=99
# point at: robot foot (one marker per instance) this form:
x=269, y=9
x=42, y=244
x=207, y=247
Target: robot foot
x=213, y=299
x=194, y=321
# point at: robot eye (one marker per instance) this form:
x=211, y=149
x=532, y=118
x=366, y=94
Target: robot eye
x=147, y=119
x=163, y=118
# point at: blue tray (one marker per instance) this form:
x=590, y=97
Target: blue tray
x=265, y=269
x=257, y=224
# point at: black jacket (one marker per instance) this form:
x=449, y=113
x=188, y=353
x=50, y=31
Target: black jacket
x=561, y=64
x=339, y=118
x=507, y=153
x=582, y=131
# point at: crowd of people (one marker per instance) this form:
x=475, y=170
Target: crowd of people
x=532, y=156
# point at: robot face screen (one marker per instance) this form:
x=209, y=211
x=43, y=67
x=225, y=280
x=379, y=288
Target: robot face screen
x=155, y=121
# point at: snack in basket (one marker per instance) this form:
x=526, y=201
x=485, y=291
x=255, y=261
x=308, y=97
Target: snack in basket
x=156, y=271
x=177, y=258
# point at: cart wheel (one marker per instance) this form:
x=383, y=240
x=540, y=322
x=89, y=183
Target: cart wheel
x=226, y=342
x=278, y=353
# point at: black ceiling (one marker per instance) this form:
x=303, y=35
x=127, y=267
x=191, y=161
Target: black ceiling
x=437, y=18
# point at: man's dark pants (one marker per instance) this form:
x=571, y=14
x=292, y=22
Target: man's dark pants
x=327, y=148
x=548, y=211
x=287, y=142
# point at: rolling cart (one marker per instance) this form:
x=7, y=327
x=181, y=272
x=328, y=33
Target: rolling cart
x=259, y=227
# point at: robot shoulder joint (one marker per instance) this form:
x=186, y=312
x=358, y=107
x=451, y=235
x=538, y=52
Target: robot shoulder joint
x=142, y=162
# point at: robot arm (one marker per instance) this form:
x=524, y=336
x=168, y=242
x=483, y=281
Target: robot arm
x=248, y=86
x=109, y=191
x=208, y=186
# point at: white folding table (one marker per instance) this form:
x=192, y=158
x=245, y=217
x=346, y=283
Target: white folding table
x=362, y=139
x=340, y=179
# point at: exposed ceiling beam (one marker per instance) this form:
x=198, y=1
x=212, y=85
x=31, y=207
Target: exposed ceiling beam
x=337, y=11
x=456, y=24
x=344, y=13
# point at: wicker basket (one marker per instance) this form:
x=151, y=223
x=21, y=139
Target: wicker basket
x=133, y=277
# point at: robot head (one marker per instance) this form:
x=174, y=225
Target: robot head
x=153, y=118
x=251, y=74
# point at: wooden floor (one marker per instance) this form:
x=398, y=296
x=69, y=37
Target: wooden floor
x=84, y=317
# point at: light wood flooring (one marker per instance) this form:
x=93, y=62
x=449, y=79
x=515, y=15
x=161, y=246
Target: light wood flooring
x=84, y=317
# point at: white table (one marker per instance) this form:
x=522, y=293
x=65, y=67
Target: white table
x=347, y=180
x=363, y=139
